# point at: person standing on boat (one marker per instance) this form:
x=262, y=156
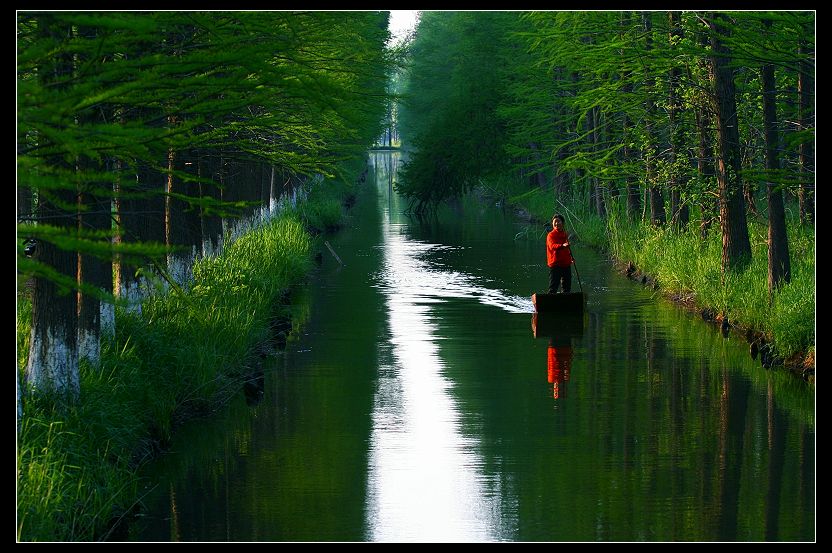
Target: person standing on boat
x=559, y=257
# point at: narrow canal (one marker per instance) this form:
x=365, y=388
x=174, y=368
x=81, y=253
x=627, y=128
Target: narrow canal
x=418, y=403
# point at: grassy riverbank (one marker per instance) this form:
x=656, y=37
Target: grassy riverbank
x=688, y=270
x=180, y=358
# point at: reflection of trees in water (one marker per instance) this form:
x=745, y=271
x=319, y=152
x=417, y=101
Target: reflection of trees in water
x=686, y=439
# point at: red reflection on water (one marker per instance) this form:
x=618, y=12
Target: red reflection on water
x=559, y=361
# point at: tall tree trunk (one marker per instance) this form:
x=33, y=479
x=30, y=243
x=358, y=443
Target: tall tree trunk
x=179, y=261
x=93, y=270
x=252, y=186
x=192, y=224
x=632, y=191
x=168, y=195
x=705, y=163
x=217, y=222
x=597, y=186
x=806, y=90
x=608, y=186
x=210, y=223
x=779, y=265
x=655, y=198
x=142, y=213
x=107, y=313
x=736, y=245
x=130, y=208
x=228, y=193
x=561, y=188
x=118, y=222
x=748, y=185
x=539, y=176
x=53, y=353
x=265, y=188
x=678, y=209
x=201, y=170
x=94, y=215
x=272, y=190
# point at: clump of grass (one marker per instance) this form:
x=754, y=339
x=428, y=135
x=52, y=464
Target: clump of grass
x=685, y=264
x=195, y=342
x=323, y=214
x=793, y=313
x=72, y=477
x=24, y=326
x=323, y=209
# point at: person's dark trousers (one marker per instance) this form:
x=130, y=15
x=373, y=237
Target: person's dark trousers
x=556, y=274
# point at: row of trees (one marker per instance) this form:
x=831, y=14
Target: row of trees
x=669, y=116
x=141, y=134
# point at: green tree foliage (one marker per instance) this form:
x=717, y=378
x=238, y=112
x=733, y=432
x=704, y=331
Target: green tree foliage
x=605, y=101
x=454, y=87
x=128, y=122
x=112, y=104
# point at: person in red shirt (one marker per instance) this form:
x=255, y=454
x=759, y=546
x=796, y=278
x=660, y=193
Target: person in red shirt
x=559, y=257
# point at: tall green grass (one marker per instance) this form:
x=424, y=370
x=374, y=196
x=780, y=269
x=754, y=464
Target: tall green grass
x=684, y=264
x=323, y=208
x=76, y=463
x=24, y=324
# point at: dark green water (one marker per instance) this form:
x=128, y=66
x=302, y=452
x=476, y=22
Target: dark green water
x=416, y=404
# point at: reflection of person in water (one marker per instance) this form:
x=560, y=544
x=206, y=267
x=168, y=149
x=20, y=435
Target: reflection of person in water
x=558, y=365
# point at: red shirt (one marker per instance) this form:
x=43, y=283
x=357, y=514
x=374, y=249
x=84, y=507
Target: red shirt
x=556, y=253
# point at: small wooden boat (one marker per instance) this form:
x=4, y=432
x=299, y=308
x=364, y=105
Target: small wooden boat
x=559, y=304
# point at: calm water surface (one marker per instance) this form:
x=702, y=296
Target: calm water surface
x=417, y=401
